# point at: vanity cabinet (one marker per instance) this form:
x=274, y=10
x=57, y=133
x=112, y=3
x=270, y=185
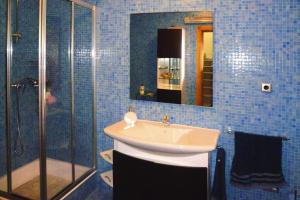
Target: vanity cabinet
x=138, y=179
x=152, y=161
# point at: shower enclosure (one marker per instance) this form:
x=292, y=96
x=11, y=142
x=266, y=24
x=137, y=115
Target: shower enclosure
x=47, y=97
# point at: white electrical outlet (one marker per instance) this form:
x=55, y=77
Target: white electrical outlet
x=266, y=87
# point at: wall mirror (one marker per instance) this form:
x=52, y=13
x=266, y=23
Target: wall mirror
x=171, y=57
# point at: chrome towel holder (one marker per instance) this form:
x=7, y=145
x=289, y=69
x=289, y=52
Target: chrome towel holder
x=229, y=131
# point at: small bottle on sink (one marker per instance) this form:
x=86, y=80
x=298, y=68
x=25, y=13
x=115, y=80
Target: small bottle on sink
x=130, y=118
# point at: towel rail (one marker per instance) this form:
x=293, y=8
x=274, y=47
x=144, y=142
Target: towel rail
x=229, y=131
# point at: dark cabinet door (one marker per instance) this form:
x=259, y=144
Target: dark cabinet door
x=136, y=179
x=169, y=43
x=169, y=96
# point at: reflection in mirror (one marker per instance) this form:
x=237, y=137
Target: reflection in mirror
x=171, y=57
x=204, y=70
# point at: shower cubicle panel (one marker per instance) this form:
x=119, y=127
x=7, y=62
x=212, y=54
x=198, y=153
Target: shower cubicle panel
x=83, y=90
x=69, y=118
x=24, y=97
x=47, y=112
x=58, y=120
x=3, y=168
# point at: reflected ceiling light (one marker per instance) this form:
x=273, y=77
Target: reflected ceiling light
x=202, y=17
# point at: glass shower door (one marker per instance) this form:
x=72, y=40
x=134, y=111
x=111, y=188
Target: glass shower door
x=58, y=97
x=69, y=94
x=47, y=119
x=83, y=90
x=3, y=169
x=24, y=98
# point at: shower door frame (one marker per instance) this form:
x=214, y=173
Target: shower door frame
x=42, y=102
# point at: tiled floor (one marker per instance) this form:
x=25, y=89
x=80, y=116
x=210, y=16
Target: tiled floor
x=31, y=189
x=101, y=192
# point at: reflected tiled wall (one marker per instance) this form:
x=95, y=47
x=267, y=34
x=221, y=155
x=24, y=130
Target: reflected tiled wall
x=255, y=42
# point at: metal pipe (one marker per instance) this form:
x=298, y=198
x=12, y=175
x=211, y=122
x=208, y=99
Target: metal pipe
x=8, y=96
x=31, y=81
x=94, y=85
x=17, y=16
x=17, y=35
x=20, y=86
x=72, y=93
x=18, y=143
x=42, y=97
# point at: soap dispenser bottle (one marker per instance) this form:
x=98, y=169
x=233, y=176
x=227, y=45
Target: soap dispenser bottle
x=130, y=118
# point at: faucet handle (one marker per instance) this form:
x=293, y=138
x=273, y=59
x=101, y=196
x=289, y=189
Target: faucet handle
x=166, y=118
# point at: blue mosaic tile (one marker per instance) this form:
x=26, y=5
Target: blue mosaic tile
x=255, y=42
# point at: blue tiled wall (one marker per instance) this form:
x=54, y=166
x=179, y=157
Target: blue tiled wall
x=255, y=42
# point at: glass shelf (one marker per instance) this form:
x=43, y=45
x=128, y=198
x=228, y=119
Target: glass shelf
x=168, y=73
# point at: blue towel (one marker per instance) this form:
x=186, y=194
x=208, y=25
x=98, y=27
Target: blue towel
x=257, y=161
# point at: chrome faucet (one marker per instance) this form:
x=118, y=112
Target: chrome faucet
x=166, y=119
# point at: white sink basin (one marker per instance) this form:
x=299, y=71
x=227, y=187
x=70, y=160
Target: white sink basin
x=156, y=136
